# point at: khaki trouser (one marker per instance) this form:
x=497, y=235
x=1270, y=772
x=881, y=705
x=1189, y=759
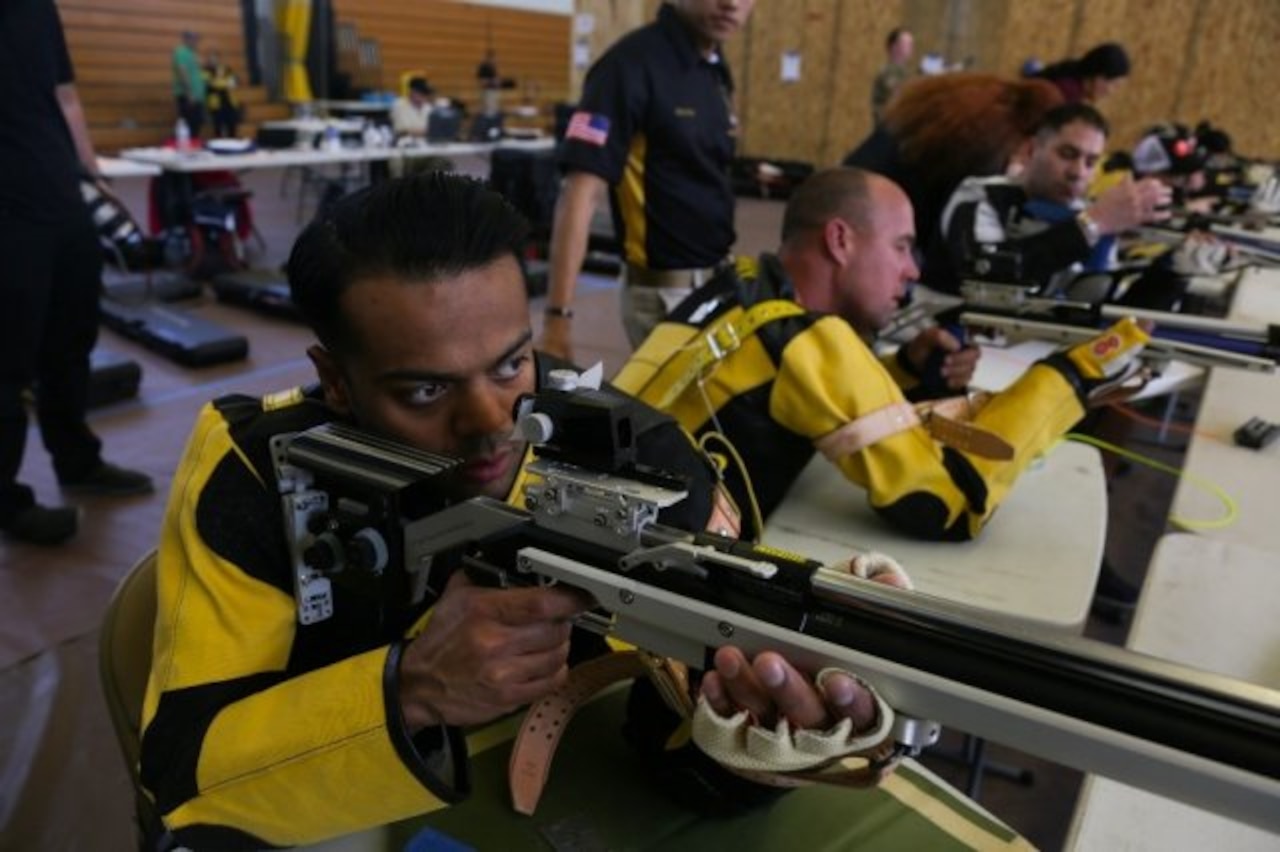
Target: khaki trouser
x=648, y=295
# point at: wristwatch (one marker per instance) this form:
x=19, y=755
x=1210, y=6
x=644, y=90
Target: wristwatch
x=1088, y=227
x=557, y=311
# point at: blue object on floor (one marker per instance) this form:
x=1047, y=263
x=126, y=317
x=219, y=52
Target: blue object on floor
x=431, y=840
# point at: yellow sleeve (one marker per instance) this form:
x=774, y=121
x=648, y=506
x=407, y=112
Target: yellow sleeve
x=1031, y=414
x=232, y=739
x=828, y=378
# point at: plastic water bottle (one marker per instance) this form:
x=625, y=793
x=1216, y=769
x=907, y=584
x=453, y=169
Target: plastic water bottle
x=332, y=140
x=182, y=135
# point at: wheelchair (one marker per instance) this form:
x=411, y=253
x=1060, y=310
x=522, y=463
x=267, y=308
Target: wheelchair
x=201, y=222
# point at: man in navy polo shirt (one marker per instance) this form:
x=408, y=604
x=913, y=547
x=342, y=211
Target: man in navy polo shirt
x=656, y=125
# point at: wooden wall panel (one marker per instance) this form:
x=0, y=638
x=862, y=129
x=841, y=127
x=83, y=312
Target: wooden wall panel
x=1156, y=34
x=928, y=20
x=857, y=57
x=1192, y=59
x=828, y=112
x=447, y=40
x=737, y=52
x=122, y=49
x=1041, y=29
x=1233, y=71
x=788, y=117
x=612, y=19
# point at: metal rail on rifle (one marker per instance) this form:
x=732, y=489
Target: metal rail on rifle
x=1249, y=243
x=1251, y=246
x=357, y=515
x=1017, y=313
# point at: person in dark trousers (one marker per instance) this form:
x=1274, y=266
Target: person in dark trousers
x=50, y=275
x=656, y=126
x=413, y=288
x=1042, y=215
x=220, y=82
x=940, y=130
x=898, y=46
x=490, y=84
x=189, y=88
x=803, y=378
x=1042, y=219
x=487, y=70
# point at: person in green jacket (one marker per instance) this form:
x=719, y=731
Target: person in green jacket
x=188, y=82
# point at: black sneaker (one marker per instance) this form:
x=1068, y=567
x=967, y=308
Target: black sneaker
x=43, y=525
x=110, y=480
x=1114, y=598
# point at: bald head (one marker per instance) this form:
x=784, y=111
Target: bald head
x=842, y=193
x=847, y=243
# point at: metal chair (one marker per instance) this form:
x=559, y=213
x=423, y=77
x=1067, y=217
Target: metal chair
x=124, y=663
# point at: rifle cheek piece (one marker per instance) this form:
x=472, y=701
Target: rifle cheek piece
x=590, y=429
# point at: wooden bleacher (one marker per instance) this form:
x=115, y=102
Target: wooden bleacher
x=122, y=54
x=122, y=57
x=447, y=40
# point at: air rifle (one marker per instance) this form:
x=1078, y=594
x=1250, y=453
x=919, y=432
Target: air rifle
x=370, y=514
x=1251, y=244
x=1241, y=232
x=1015, y=313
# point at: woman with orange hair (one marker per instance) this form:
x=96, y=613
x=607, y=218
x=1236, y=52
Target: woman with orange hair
x=940, y=130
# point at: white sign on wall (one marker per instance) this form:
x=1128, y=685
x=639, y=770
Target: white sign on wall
x=790, y=71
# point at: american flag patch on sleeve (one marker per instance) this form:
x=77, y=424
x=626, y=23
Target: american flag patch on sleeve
x=588, y=127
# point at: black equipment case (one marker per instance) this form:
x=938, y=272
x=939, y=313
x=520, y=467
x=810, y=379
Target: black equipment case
x=160, y=284
x=112, y=377
x=173, y=332
x=264, y=290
